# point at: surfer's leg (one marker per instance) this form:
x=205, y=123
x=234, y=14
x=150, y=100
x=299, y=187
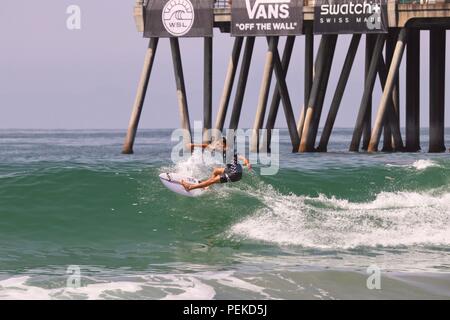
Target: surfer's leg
x=217, y=172
x=204, y=184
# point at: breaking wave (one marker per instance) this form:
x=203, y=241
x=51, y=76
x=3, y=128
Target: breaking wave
x=391, y=219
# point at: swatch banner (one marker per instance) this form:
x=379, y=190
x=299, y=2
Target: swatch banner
x=266, y=17
x=350, y=16
x=178, y=18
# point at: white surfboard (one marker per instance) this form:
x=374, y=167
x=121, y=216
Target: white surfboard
x=172, y=181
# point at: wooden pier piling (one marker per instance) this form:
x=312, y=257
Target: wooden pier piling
x=181, y=91
x=367, y=130
x=140, y=96
x=242, y=83
x=437, y=89
x=207, y=88
x=309, y=76
x=263, y=94
x=391, y=120
x=387, y=132
x=367, y=94
x=286, y=100
x=387, y=93
x=340, y=89
x=413, y=91
x=228, y=84
x=276, y=97
x=318, y=91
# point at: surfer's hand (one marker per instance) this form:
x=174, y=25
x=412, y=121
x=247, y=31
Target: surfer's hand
x=186, y=185
x=247, y=164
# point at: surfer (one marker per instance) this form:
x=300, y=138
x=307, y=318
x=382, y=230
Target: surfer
x=231, y=173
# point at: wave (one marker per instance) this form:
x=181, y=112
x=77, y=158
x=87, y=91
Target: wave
x=424, y=164
x=200, y=285
x=409, y=208
x=419, y=165
x=392, y=219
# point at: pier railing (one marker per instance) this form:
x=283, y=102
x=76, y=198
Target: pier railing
x=220, y=4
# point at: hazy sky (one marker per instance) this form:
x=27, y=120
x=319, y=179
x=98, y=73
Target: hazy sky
x=51, y=77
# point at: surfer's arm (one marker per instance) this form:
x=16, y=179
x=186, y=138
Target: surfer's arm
x=245, y=161
x=201, y=185
x=193, y=145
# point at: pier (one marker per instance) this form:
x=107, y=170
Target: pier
x=387, y=31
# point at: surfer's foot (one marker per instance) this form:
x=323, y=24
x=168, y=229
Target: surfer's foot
x=186, y=185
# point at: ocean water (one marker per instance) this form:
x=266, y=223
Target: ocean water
x=70, y=201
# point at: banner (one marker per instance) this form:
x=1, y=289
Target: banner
x=266, y=17
x=178, y=18
x=350, y=16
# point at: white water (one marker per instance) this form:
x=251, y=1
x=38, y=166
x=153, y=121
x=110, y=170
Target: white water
x=198, y=165
x=424, y=164
x=392, y=219
x=158, y=286
x=418, y=165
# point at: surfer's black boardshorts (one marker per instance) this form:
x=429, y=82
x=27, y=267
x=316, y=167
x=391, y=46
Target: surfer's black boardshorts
x=232, y=173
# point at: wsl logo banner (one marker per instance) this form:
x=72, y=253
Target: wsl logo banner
x=178, y=18
x=266, y=17
x=356, y=16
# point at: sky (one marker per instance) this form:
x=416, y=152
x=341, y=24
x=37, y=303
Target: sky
x=55, y=78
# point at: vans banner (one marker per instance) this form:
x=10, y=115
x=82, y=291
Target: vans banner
x=266, y=17
x=178, y=18
x=355, y=16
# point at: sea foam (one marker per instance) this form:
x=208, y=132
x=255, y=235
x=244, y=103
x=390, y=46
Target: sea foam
x=196, y=286
x=392, y=219
x=423, y=164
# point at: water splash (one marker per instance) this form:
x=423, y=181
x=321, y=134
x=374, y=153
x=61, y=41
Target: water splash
x=392, y=219
x=423, y=164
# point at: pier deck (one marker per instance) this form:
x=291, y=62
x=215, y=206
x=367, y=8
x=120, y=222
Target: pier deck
x=400, y=13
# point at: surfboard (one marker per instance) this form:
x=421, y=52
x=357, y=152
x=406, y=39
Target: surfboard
x=172, y=181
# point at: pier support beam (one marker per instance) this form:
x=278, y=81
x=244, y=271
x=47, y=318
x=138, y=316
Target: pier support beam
x=309, y=76
x=387, y=133
x=393, y=110
x=391, y=119
x=413, y=91
x=263, y=94
x=276, y=98
x=387, y=94
x=229, y=81
x=367, y=95
x=207, y=88
x=340, y=89
x=370, y=44
x=437, y=90
x=181, y=91
x=286, y=100
x=317, y=97
x=242, y=83
x=309, y=63
x=140, y=96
